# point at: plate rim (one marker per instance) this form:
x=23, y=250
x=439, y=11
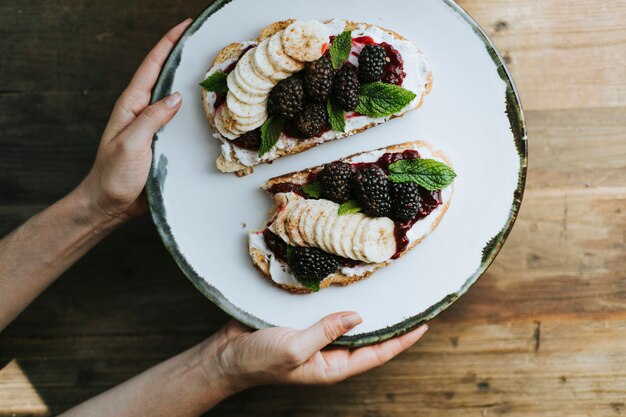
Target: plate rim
x=158, y=171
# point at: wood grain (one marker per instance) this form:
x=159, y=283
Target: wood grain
x=543, y=333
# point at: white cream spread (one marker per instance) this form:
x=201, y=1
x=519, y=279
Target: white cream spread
x=417, y=76
x=280, y=271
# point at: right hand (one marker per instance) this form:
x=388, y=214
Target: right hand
x=282, y=355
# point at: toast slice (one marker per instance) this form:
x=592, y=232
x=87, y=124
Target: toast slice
x=242, y=160
x=278, y=271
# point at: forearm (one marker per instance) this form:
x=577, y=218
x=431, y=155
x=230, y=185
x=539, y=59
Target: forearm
x=185, y=386
x=44, y=247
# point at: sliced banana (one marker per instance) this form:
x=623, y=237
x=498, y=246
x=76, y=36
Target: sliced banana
x=379, y=241
x=336, y=234
x=357, y=240
x=247, y=127
x=222, y=122
x=283, y=203
x=305, y=40
x=241, y=110
x=309, y=212
x=279, y=59
x=320, y=225
x=248, y=77
x=348, y=233
x=251, y=76
x=238, y=90
x=244, y=96
x=264, y=67
x=293, y=220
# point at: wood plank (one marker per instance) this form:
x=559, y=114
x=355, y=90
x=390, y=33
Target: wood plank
x=562, y=54
x=458, y=369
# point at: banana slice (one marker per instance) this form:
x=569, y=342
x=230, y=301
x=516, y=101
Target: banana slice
x=292, y=223
x=249, y=79
x=310, y=214
x=357, y=245
x=244, y=96
x=264, y=67
x=320, y=225
x=247, y=127
x=250, y=89
x=348, y=233
x=238, y=90
x=279, y=59
x=379, y=241
x=305, y=40
x=283, y=203
x=241, y=110
x=336, y=234
x=222, y=122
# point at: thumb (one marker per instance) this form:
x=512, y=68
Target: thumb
x=325, y=331
x=140, y=132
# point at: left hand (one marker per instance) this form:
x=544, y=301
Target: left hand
x=114, y=187
x=281, y=355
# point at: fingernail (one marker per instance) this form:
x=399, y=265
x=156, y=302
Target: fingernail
x=173, y=100
x=350, y=320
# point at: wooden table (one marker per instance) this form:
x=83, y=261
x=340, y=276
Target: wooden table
x=543, y=333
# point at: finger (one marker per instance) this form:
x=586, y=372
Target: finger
x=366, y=358
x=325, y=331
x=139, y=134
x=137, y=95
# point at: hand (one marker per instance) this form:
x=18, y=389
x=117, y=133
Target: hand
x=114, y=187
x=282, y=355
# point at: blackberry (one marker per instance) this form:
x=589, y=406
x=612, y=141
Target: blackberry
x=346, y=88
x=287, y=98
x=372, y=190
x=312, y=120
x=406, y=200
x=312, y=263
x=318, y=79
x=336, y=179
x=372, y=61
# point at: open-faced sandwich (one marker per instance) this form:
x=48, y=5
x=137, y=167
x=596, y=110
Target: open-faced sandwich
x=341, y=222
x=303, y=83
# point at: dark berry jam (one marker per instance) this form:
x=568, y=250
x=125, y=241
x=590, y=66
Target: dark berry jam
x=249, y=140
x=394, y=70
x=364, y=40
x=286, y=187
x=276, y=245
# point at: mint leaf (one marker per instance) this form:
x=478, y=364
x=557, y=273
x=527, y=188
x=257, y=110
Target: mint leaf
x=340, y=49
x=270, y=132
x=336, y=115
x=216, y=82
x=382, y=100
x=312, y=284
x=313, y=189
x=430, y=174
x=350, y=207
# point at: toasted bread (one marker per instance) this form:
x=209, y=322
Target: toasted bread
x=262, y=261
x=229, y=161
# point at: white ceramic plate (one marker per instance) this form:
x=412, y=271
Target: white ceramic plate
x=473, y=114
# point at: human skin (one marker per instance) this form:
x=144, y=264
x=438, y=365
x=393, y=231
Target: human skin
x=233, y=359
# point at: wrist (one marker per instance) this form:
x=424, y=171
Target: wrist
x=90, y=211
x=217, y=365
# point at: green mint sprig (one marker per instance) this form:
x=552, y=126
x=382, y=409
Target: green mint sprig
x=349, y=207
x=429, y=173
x=270, y=132
x=313, y=189
x=336, y=115
x=216, y=82
x=381, y=100
x=340, y=49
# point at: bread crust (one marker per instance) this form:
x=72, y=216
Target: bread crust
x=233, y=51
x=299, y=177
